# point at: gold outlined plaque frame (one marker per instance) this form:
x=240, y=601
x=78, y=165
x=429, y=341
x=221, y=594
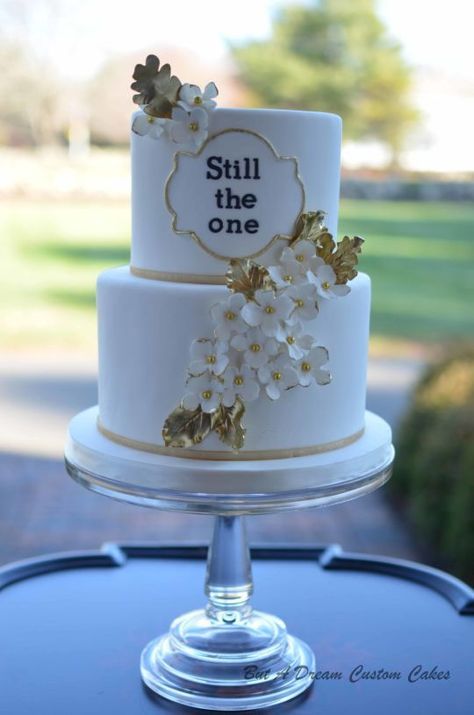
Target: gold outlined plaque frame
x=193, y=234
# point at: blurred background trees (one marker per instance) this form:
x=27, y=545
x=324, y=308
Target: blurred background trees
x=66, y=74
x=31, y=110
x=333, y=56
x=33, y=104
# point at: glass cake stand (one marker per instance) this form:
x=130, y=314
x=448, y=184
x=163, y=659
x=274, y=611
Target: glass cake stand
x=227, y=656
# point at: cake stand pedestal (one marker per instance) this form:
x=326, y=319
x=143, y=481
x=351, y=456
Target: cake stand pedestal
x=227, y=656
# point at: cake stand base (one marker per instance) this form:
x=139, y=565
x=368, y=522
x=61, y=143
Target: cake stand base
x=227, y=656
x=212, y=673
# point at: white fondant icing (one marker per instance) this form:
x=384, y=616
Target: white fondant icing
x=145, y=331
x=313, y=138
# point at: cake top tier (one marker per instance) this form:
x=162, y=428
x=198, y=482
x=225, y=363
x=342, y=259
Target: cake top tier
x=211, y=184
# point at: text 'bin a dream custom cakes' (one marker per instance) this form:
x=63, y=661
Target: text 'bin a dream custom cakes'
x=240, y=329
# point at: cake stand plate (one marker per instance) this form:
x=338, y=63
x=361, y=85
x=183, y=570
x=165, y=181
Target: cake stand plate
x=227, y=656
x=228, y=487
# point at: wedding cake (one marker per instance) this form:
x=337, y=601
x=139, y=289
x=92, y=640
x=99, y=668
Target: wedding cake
x=240, y=329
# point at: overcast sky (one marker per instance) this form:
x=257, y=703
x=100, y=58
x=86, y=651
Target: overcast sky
x=432, y=33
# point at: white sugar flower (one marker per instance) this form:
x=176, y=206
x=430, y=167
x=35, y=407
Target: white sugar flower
x=189, y=127
x=267, y=311
x=294, y=264
x=300, y=253
x=324, y=278
x=304, y=299
x=144, y=124
x=226, y=316
x=208, y=356
x=240, y=382
x=309, y=368
x=204, y=391
x=287, y=273
x=257, y=348
x=297, y=343
x=277, y=376
x=190, y=96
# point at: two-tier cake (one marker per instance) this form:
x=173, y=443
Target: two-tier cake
x=240, y=328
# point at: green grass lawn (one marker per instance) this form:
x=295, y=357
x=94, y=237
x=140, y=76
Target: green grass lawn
x=420, y=257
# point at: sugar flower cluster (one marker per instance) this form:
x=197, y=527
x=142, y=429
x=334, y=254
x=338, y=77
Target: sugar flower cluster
x=261, y=345
x=178, y=111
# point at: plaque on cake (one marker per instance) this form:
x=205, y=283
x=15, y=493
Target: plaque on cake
x=224, y=195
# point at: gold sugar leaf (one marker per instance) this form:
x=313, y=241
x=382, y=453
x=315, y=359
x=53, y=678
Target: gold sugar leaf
x=144, y=76
x=309, y=227
x=344, y=259
x=247, y=277
x=325, y=247
x=157, y=89
x=185, y=428
x=228, y=424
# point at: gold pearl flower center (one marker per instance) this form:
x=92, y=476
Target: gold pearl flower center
x=198, y=100
x=238, y=380
x=206, y=395
x=290, y=340
x=193, y=126
x=269, y=309
x=276, y=375
x=230, y=315
x=326, y=285
x=255, y=348
x=299, y=302
x=288, y=279
x=300, y=258
x=211, y=359
x=150, y=119
x=306, y=366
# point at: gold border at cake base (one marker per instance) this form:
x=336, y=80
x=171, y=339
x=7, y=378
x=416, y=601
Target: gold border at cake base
x=221, y=455
x=177, y=277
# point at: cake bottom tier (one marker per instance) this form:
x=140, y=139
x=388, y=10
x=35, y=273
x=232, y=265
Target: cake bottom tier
x=145, y=331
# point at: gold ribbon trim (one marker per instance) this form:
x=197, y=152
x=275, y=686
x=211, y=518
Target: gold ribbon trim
x=177, y=277
x=219, y=455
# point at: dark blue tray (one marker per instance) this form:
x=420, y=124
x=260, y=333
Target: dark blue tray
x=71, y=636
